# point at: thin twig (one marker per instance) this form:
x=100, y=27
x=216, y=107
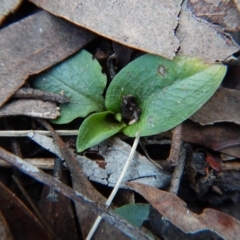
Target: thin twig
x=44, y=178
x=43, y=163
x=57, y=173
x=148, y=157
x=114, y=191
x=176, y=145
x=178, y=171
x=24, y=133
x=32, y=93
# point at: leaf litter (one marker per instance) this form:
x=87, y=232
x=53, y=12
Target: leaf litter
x=146, y=26
x=222, y=39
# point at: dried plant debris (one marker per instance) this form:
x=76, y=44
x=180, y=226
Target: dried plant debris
x=222, y=12
x=203, y=39
x=223, y=106
x=13, y=209
x=164, y=29
x=49, y=40
x=115, y=152
x=31, y=108
x=7, y=7
x=173, y=209
x=4, y=229
x=223, y=137
x=137, y=24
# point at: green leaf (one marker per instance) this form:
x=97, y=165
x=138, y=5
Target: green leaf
x=134, y=213
x=167, y=91
x=81, y=79
x=96, y=128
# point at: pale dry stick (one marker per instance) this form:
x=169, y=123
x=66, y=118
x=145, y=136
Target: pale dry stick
x=115, y=189
x=24, y=133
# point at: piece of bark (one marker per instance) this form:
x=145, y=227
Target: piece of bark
x=148, y=26
x=223, y=106
x=7, y=7
x=33, y=45
x=31, y=108
x=22, y=223
x=31, y=93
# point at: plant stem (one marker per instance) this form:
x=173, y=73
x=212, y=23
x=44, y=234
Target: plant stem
x=119, y=182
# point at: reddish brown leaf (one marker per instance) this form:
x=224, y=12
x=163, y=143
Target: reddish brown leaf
x=22, y=223
x=213, y=162
x=223, y=106
x=175, y=210
x=33, y=45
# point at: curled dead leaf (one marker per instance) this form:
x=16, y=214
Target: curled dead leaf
x=175, y=210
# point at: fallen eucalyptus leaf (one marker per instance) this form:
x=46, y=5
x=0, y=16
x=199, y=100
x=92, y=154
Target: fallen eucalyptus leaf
x=33, y=45
x=96, y=128
x=174, y=209
x=81, y=80
x=162, y=29
x=139, y=24
x=223, y=106
x=166, y=91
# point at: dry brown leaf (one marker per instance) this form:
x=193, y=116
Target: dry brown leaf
x=5, y=233
x=8, y=6
x=33, y=45
x=59, y=215
x=221, y=12
x=145, y=25
x=31, y=108
x=223, y=106
x=148, y=26
x=203, y=40
x=175, y=210
x=224, y=136
x=22, y=223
